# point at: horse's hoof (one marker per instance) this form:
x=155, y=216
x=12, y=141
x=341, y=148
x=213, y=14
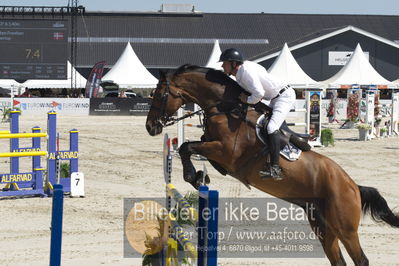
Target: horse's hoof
x=207, y=180
x=189, y=178
x=201, y=179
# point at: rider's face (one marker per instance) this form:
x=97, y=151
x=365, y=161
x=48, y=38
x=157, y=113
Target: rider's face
x=227, y=67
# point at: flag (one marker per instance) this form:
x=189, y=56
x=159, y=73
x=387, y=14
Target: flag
x=93, y=82
x=58, y=35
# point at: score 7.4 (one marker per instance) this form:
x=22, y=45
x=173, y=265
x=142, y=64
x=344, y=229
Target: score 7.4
x=32, y=53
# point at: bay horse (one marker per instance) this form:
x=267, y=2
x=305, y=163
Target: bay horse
x=232, y=147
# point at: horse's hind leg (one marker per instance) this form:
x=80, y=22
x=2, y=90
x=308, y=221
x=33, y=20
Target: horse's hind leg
x=352, y=245
x=343, y=215
x=328, y=240
x=332, y=250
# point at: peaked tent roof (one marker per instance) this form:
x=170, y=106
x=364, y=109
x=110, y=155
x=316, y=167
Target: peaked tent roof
x=357, y=70
x=287, y=68
x=8, y=83
x=213, y=61
x=58, y=83
x=320, y=35
x=128, y=71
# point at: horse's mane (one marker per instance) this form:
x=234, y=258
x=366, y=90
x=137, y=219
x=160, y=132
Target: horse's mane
x=211, y=74
x=190, y=68
x=231, y=89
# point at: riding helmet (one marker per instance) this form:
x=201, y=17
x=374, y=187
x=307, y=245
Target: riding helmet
x=231, y=54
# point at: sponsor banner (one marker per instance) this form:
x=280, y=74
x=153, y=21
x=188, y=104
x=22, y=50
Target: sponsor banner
x=119, y=106
x=93, y=82
x=5, y=103
x=337, y=58
x=75, y=106
x=314, y=123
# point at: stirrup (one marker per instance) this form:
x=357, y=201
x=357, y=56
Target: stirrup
x=265, y=174
x=274, y=172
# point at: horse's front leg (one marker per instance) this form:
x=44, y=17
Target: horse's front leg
x=205, y=149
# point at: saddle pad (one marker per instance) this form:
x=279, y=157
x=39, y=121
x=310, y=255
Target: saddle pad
x=290, y=151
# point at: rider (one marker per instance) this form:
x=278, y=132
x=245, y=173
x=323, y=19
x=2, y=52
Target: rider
x=261, y=85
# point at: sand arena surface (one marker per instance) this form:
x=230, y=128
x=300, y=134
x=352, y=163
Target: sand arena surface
x=120, y=160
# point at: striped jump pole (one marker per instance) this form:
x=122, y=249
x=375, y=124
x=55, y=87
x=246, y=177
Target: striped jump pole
x=205, y=218
x=173, y=193
x=181, y=124
x=392, y=115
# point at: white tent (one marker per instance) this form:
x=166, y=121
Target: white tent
x=287, y=68
x=213, y=61
x=357, y=70
x=128, y=71
x=8, y=83
x=58, y=83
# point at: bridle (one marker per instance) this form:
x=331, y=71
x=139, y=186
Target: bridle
x=166, y=120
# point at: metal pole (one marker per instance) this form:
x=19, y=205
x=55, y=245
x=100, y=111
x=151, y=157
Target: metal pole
x=56, y=225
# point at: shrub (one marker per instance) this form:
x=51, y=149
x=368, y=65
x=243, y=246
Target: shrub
x=363, y=126
x=327, y=137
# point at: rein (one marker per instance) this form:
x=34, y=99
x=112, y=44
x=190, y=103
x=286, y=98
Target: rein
x=171, y=120
x=165, y=120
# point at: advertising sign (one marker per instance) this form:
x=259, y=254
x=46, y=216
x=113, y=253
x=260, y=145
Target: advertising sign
x=76, y=106
x=336, y=58
x=314, y=115
x=119, y=106
x=93, y=82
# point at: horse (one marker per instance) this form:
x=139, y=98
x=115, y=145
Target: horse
x=232, y=147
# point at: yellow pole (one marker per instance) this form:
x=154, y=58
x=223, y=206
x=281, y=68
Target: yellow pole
x=23, y=154
x=171, y=254
x=22, y=135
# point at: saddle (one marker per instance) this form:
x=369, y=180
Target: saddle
x=290, y=141
x=299, y=140
x=287, y=135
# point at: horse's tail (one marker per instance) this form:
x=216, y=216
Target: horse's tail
x=376, y=205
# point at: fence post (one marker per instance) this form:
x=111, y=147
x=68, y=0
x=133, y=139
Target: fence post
x=213, y=205
x=56, y=225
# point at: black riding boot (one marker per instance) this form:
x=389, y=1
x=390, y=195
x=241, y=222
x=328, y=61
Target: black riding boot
x=275, y=170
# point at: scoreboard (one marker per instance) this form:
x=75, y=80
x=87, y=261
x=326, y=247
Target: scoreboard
x=33, y=49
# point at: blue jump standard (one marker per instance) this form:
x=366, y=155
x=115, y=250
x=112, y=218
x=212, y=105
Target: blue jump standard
x=33, y=183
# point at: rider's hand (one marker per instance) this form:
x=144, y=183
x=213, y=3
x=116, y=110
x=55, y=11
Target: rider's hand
x=243, y=97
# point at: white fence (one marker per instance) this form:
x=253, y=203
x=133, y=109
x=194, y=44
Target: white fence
x=80, y=106
x=39, y=106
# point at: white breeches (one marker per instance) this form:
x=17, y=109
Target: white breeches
x=281, y=107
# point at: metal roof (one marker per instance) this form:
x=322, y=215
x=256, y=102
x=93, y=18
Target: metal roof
x=321, y=35
x=169, y=40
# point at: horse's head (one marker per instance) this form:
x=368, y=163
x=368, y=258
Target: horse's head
x=166, y=100
x=188, y=84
